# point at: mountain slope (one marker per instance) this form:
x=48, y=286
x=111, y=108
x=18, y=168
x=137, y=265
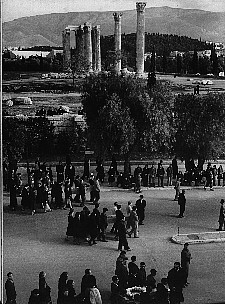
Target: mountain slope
x=47, y=29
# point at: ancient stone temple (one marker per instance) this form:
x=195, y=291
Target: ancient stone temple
x=86, y=53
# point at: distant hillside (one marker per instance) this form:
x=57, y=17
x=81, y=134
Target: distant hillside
x=47, y=29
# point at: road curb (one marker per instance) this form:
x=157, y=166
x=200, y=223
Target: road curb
x=199, y=238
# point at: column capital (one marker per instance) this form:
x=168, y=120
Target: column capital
x=140, y=6
x=87, y=27
x=96, y=27
x=117, y=16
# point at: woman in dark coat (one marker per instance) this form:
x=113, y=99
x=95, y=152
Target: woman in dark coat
x=62, y=288
x=44, y=289
x=70, y=227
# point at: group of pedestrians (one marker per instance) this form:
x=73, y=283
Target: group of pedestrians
x=45, y=192
x=86, y=226
x=66, y=290
x=168, y=291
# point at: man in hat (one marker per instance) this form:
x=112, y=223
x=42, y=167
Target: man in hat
x=182, y=203
x=103, y=223
x=122, y=235
x=185, y=262
x=10, y=289
x=133, y=271
x=141, y=204
x=221, y=216
x=176, y=281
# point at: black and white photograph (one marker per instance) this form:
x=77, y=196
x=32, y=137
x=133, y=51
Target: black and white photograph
x=112, y=131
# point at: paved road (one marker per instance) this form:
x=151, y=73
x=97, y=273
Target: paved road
x=36, y=243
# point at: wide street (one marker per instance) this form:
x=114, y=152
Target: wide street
x=36, y=243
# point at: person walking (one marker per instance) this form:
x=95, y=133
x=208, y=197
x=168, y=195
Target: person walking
x=133, y=271
x=122, y=235
x=185, y=262
x=177, y=189
x=119, y=217
x=103, y=224
x=62, y=288
x=221, y=216
x=169, y=173
x=141, y=275
x=160, y=174
x=10, y=289
x=87, y=281
x=133, y=221
x=70, y=228
x=128, y=212
x=220, y=175
x=174, y=167
x=44, y=289
x=141, y=204
x=122, y=274
x=176, y=281
x=182, y=203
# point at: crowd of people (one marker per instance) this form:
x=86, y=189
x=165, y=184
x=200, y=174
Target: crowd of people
x=46, y=191
x=131, y=280
x=87, y=226
x=130, y=283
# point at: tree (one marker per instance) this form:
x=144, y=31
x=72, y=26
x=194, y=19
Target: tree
x=13, y=139
x=195, y=62
x=179, y=64
x=164, y=61
x=200, y=123
x=39, y=136
x=124, y=116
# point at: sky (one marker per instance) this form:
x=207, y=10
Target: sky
x=13, y=9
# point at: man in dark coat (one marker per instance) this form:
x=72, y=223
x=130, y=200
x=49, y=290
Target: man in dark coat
x=221, y=216
x=176, y=281
x=13, y=192
x=185, y=261
x=103, y=225
x=88, y=281
x=141, y=275
x=60, y=172
x=123, y=275
x=70, y=173
x=133, y=271
x=141, y=204
x=10, y=289
x=151, y=281
x=160, y=174
x=94, y=221
x=182, y=203
x=122, y=235
x=175, y=167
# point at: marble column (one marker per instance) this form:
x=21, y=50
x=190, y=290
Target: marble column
x=117, y=41
x=80, y=48
x=97, y=50
x=66, y=49
x=140, y=38
x=87, y=47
